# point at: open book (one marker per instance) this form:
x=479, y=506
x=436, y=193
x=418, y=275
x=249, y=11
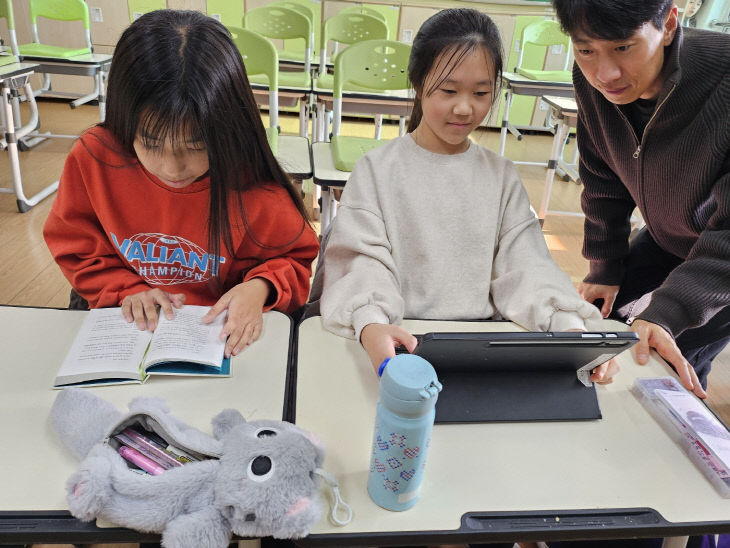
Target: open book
x=108, y=350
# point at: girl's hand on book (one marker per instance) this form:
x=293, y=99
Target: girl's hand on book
x=380, y=340
x=142, y=307
x=245, y=305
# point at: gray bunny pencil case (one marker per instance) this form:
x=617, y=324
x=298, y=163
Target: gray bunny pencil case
x=149, y=471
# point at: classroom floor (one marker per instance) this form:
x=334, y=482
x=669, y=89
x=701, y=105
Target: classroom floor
x=31, y=278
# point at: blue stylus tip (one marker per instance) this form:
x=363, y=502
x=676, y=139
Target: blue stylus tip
x=382, y=367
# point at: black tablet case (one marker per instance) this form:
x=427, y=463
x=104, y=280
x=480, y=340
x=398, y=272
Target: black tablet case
x=491, y=377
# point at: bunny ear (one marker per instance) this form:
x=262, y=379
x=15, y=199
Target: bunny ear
x=81, y=419
x=224, y=421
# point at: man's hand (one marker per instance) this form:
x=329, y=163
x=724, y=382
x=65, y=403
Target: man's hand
x=380, y=340
x=655, y=336
x=593, y=292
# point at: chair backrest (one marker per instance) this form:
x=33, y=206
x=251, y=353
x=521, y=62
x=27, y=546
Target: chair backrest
x=349, y=27
x=544, y=33
x=380, y=65
x=301, y=8
x=60, y=10
x=281, y=22
x=138, y=8
x=275, y=21
x=259, y=54
x=376, y=64
x=6, y=11
x=260, y=57
x=366, y=10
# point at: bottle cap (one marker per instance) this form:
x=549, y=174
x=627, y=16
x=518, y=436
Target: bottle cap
x=408, y=379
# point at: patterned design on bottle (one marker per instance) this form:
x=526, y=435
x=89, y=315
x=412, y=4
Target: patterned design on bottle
x=398, y=440
x=411, y=452
x=408, y=474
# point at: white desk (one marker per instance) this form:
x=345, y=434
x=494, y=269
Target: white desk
x=326, y=177
x=619, y=477
x=95, y=65
x=516, y=84
x=35, y=465
x=13, y=77
x=566, y=112
x=295, y=156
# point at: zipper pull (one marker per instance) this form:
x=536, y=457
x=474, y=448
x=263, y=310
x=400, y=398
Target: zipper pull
x=636, y=152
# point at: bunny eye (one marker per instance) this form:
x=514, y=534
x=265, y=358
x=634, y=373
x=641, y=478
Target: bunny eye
x=260, y=468
x=265, y=433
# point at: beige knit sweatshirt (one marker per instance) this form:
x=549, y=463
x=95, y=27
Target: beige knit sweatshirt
x=434, y=236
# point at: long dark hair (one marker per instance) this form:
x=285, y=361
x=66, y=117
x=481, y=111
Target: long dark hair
x=178, y=74
x=456, y=33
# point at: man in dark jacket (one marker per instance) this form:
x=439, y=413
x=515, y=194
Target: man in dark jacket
x=654, y=133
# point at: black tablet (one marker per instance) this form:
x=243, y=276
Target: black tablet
x=519, y=376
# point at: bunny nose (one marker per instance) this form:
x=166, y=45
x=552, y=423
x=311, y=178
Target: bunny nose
x=298, y=505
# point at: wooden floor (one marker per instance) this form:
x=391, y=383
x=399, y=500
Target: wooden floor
x=30, y=277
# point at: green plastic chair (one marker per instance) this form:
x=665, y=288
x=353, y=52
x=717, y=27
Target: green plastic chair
x=58, y=10
x=365, y=10
x=6, y=11
x=282, y=22
x=380, y=65
x=137, y=8
x=347, y=27
x=546, y=34
x=290, y=52
x=260, y=58
x=361, y=9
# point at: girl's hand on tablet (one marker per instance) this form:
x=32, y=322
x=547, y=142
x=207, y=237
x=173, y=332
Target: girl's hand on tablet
x=380, y=340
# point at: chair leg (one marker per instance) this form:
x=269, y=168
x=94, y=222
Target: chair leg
x=378, y=125
x=505, y=121
x=302, y=117
x=321, y=122
x=560, y=133
x=325, y=214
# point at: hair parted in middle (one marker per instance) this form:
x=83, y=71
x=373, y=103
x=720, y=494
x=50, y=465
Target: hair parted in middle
x=177, y=74
x=442, y=41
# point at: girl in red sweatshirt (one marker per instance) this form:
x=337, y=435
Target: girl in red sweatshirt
x=177, y=197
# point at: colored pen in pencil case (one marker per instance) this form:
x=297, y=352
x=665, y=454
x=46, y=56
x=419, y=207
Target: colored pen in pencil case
x=138, y=459
x=176, y=453
x=146, y=447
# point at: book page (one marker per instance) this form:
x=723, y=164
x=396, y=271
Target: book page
x=186, y=338
x=105, y=346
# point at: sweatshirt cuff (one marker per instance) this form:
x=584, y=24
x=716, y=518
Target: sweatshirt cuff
x=366, y=315
x=666, y=313
x=605, y=273
x=562, y=320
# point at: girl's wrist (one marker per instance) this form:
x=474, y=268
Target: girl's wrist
x=262, y=289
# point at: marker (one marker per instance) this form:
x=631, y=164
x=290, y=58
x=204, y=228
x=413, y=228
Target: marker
x=138, y=459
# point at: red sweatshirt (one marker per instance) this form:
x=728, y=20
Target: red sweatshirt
x=115, y=230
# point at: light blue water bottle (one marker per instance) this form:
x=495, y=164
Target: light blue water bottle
x=403, y=423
